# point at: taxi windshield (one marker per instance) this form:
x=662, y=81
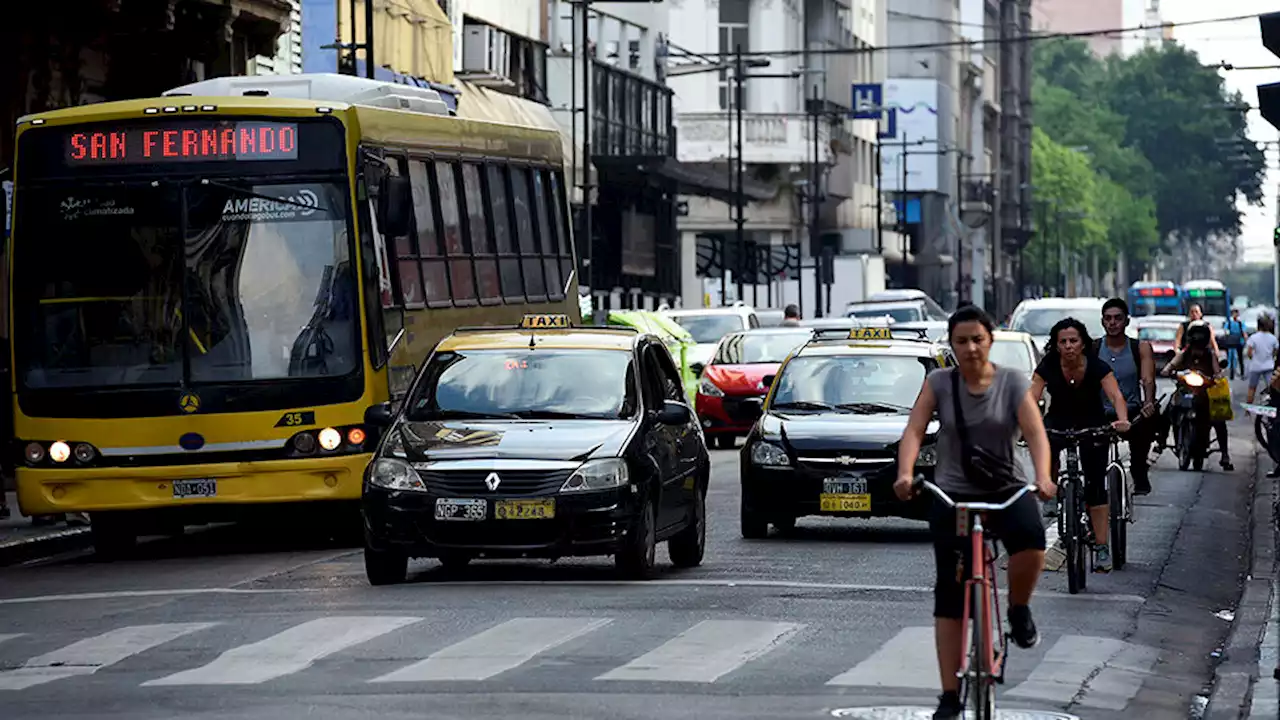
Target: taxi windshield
x=709, y=328
x=1012, y=353
x=527, y=384
x=748, y=347
x=883, y=383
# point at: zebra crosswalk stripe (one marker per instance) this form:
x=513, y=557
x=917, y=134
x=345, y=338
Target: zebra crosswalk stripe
x=1121, y=679
x=496, y=650
x=92, y=654
x=706, y=652
x=1066, y=667
x=287, y=652
x=897, y=663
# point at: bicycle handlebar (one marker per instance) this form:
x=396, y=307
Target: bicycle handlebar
x=1097, y=433
x=979, y=506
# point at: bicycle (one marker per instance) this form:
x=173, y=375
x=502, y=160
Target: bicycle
x=1120, y=491
x=1074, y=527
x=982, y=666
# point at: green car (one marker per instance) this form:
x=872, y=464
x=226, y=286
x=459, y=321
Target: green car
x=677, y=339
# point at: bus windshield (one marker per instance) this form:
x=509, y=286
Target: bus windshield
x=1211, y=302
x=161, y=282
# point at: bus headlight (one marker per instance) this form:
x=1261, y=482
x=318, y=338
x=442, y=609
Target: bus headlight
x=598, y=475
x=396, y=475
x=59, y=452
x=330, y=439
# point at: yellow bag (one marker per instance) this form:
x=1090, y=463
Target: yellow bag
x=1220, y=400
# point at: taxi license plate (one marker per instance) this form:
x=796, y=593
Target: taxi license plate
x=472, y=509
x=196, y=488
x=542, y=509
x=844, y=495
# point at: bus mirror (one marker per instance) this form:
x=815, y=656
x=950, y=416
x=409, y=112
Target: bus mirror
x=396, y=206
x=379, y=415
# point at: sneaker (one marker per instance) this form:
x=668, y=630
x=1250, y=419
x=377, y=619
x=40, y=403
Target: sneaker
x=1226, y=465
x=1101, y=559
x=1139, y=490
x=1022, y=628
x=949, y=706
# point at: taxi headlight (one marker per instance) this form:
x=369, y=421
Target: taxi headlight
x=769, y=455
x=928, y=456
x=708, y=388
x=598, y=475
x=395, y=474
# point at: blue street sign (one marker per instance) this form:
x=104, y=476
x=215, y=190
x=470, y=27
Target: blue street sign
x=889, y=126
x=867, y=101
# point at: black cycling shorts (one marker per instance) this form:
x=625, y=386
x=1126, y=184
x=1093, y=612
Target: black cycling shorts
x=1017, y=528
x=1094, y=458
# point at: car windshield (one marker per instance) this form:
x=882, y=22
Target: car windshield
x=710, y=328
x=895, y=313
x=749, y=347
x=525, y=383
x=1012, y=353
x=1041, y=320
x=860, y=380
x=244, y=280
x=1154, y=333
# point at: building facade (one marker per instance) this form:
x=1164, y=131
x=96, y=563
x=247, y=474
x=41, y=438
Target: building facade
x=1072, y=16
x=287, y=59
x=807, y=169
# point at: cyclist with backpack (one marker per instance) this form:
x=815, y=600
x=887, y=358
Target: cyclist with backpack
x=1133, y=364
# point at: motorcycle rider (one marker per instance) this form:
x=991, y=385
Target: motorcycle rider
x=1201, y=355
x=1134, y=366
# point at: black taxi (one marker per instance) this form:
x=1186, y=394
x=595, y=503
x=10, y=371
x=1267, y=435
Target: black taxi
x=827, y=439
x=541, y=440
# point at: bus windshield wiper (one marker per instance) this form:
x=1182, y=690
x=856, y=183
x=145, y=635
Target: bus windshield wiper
x=260, y=196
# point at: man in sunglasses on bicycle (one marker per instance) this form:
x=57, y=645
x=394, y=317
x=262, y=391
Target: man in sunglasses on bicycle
x=1133, y=364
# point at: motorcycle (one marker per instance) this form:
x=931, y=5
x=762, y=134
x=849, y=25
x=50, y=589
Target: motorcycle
x=1189, y=417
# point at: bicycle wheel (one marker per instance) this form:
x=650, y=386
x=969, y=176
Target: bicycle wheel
x=982, y=697
x=1072, y=538
x=1117, y=479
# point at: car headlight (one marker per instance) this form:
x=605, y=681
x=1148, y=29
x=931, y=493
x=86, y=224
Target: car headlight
x=769, y=455
x=395, y=474
x=706, y=387
x=928, y=456
x=598, y=475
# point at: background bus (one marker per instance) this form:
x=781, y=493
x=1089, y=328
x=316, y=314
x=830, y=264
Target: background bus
x=1156, y=298
x=209, y=290
x=1213, y=298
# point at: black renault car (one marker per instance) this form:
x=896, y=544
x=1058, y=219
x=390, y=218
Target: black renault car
x=537, y=442
x=827, y=440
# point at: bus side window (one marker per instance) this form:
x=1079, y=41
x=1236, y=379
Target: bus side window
x=502, y=223
x=456, y=244
x=427, y=257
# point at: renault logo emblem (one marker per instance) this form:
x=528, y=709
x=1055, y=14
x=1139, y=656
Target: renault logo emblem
x=189, y=402
x=492, y=481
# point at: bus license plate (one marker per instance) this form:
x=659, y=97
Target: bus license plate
x=199, y=488
x=543, y=509
x=472, y=509
x=844, y=495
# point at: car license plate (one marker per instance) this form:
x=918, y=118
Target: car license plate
x=197, y=488
x=844, y=495
x=542, y=509
x=461, y=509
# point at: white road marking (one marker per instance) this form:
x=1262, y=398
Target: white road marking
x=1121, y=679
x=1069, y=663
x=88, y=656
x=9, y=636
x=287, y=652
x=905, y=661
x=121, y=594
x=706, y=652
x=496, y=650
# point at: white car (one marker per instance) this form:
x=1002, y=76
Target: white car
x=1036, y=317
x=708, y=325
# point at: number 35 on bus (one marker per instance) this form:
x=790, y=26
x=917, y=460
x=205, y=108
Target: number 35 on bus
x=210, y=289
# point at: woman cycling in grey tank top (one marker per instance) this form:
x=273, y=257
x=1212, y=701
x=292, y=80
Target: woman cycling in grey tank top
x=997, y=408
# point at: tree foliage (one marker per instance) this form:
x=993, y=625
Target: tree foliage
x=1168, y=156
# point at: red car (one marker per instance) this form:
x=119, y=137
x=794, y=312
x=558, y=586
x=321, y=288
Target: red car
x=1161, y=337
x=734, y=379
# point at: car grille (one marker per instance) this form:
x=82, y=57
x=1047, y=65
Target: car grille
x=739, y=410
x=511, y=482
x=859, y=460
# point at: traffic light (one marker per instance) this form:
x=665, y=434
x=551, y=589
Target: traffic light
x=1275, y=237
x=1269, y=95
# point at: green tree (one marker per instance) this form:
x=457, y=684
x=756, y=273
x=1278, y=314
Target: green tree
x=1068, y=216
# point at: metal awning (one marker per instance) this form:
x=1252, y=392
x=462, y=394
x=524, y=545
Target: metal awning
x=480, y=103
x=691, y=179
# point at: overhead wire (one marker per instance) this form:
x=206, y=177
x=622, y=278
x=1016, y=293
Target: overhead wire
x=1029, y=37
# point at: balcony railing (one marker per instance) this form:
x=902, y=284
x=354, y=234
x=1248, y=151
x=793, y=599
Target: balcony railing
x=766, y=138
x=632, y=115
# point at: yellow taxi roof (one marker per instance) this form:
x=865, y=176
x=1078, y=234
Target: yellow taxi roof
x=595, y=338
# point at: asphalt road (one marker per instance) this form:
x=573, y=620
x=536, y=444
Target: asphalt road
x=234, y=623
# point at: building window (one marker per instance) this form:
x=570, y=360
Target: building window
x=733, y=32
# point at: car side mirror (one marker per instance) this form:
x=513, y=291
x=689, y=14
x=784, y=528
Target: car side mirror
x=379, y=415
x=697, y=369
x=767, y=381
x=674, y=413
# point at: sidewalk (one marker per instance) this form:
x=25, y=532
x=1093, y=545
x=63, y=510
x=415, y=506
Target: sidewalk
x=1245, y=681
x=20, y=540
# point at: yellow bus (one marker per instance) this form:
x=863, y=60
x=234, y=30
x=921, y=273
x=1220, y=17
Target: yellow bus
x=209, y=289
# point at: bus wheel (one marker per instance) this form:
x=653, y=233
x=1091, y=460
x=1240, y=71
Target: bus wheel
x=114, y=536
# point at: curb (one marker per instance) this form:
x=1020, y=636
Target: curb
x=29, y=548
x=1238, y=669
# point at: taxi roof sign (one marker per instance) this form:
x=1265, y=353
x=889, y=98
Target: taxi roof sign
x=542, y=322
x=870, y=333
